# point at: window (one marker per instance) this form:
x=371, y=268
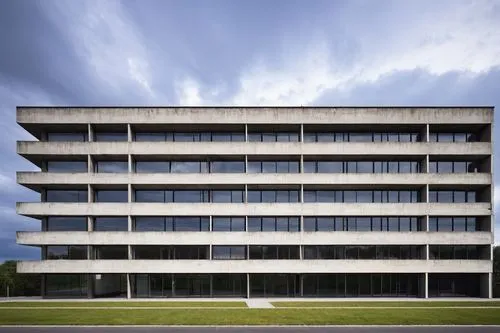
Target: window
x=361, y=252
x=361, y=137
x=61, y=285
x=220, y=223
x=455, y=223
x=361, y=223
x=234, y=196
x=66, y=196
x=66, y=223
x=286, y=252
x=111, y=223
x=456, y=252
x=149, y=223
x=452, y=137
x=273, y=166
x=111, y=136
x=111, y=196
x=272, y=223
x=188, y=223
x=452, y=196
x=68, y=252
x=227, y=166
x=67, y=166
x=273, y=196
x=177, y=252
x=150, y=136
x=362, y=196
x=152, y=166
x=273, y=137
x=220, y=252
x=453, y=167
x=111, y=166
x=111, y=252
x=67, y=137
x=188, y=167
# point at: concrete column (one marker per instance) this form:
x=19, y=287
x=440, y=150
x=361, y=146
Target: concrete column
x=129, y=289
x=301, y=139
x=210, y=223
x=90, y=164
x=90, y=132
x=301, y=278
x=90, y=226
x=248, y=285
x=486, y=285
x=424, y=285
x=246, y=132
x=245, y=194
x=246, y=223
x=129, y=132
x=427, y=252
x=210, y=252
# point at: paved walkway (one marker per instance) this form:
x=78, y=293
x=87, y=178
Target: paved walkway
x=259, y=303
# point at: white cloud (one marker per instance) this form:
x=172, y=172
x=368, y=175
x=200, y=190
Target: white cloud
x=108, y=42
x=461, y=36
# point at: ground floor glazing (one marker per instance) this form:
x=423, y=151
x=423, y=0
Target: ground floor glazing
x=265, y=285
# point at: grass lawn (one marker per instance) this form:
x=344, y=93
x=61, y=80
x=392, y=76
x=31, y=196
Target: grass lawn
x=386, y=304
x=275, y=316
x=86, y=304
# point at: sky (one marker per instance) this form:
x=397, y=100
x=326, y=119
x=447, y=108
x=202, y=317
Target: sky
x=259, y=52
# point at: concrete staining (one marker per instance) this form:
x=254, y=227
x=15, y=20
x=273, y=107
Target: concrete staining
x=423, y=120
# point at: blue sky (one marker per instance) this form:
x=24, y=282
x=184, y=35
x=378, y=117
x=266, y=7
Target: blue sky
x=145, y=52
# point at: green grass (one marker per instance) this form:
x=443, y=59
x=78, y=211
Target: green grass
x=385, y=304
x=280, y=316
x=85, y=304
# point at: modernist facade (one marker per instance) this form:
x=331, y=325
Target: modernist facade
x=253, y=202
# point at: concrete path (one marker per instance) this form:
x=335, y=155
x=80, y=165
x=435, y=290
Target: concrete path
x=259, y=303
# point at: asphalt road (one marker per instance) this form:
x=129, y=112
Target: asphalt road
x=424, y=329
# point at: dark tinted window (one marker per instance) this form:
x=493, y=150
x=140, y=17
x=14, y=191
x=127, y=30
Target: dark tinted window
x=227, y=167
x=149, y=223
x=152, y=166
x=70, y=252
x=111, y=136
x=111, y=166
x=66, y=196
x=65, y=137
x=111, y=252
x=111, y=196
x=66, y=223
x=220, y=223
x=111, y=223
x=67, y=166
x=221, y=252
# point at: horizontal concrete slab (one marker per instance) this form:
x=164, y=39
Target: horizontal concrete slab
x=37, y=180
x=37, y=148
x=259, y=209
x=255, y=266
x=253, y=115
x=253, y=238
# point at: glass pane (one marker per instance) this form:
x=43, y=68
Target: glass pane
x=149, y=223
x=111, y=196
x=185, y=167
x=150, y=137
x=67, y=137
x=152, y=166
x=69, y=223
x=111, y=223
x=227, y=167
x=67, y=166
x=112, y=166
x=149, y=196
x=66, y=196
x=110, y=136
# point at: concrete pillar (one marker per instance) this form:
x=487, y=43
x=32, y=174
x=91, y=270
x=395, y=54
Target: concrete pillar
x=248, y=285
x=246, y=134
x=301, y=139
x=486, y=285
x=129, y=132
x=129, y=289
x=90, y=132
x=424, y=285
x=90, y=164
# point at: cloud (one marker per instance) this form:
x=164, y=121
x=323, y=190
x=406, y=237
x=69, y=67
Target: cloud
x=461, y=36
x=108, y=42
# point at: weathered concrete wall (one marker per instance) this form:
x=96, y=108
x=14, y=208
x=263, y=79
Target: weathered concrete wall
x=27, y=148
x=44, y=178
x=255, y=266
x=253, y=238
x=259, y=209
x=249, y=115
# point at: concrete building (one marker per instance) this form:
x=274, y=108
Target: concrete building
x=260, y=201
